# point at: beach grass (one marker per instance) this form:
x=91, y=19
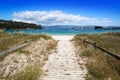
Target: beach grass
x=9, y=40
x=100, y=65
x=88, y=52
x=32, y=72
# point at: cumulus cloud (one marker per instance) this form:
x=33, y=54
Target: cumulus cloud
x=57, y=18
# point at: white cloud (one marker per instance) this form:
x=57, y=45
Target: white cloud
x=58, y=18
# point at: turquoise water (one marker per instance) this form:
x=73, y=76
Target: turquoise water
x=61, y=31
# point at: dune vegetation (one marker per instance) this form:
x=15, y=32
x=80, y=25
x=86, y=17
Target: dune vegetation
x=9, y=40
x=100, y=65
x=25, y=63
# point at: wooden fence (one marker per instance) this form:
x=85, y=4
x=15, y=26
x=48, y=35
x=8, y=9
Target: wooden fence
x=5, y=52
x=115, y=55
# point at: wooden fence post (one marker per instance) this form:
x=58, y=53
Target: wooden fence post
x=85, y=44
x=94, y=44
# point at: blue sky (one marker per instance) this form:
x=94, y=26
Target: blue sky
x=98, y=12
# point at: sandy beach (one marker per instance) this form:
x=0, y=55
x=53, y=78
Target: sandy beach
x=62, y=37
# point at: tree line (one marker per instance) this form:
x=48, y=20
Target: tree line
x=9, y=24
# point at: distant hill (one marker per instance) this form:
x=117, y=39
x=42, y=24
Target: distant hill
x=98, y=27
x=107, y=28
x=8, y=24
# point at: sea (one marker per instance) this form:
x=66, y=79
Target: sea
x=60, y=31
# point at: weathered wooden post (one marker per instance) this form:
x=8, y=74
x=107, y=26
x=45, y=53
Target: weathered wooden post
x=84, y=42
x=94, y=44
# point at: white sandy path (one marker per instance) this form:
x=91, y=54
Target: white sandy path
x=63, y=64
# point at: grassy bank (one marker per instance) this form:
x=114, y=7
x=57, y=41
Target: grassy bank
x=9, y=40
x=100, y=66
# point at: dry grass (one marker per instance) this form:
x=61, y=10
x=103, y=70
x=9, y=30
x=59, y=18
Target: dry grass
x=9, y=40
x=34, y=37
x=109, y=41
x=26, y=52
x=32, y=72
x=52, y=44
x=87, y=52
x=101, y=66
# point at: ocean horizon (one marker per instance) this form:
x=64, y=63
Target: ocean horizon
x=60, y=31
